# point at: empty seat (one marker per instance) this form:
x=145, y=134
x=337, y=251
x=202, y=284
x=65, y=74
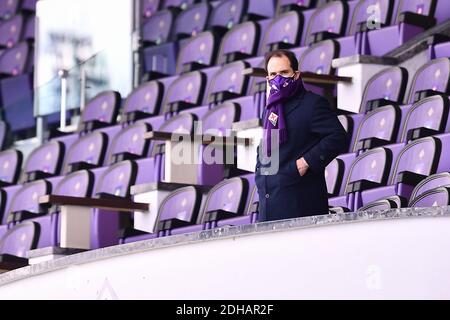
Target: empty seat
x=434, y=181
x=149, y=7
x=129, y=144
x=241, y=42
x=439, y=197
x=181, y=4
x=386, y=87
x=228, y=13
x=378, y=128
x=11, y=31
x=16, y=243
x=143, y=102
x=291, y=5
x=380, y=205
x=14, y=61
x=426, y=117
x=29, y=5
x=432, y=78
x=370, y=14
x=192, y=21
x=10, y=166
x=88, y=152
x=44, y=161
x=158, y=28
x=9, y=8
x=284, y=32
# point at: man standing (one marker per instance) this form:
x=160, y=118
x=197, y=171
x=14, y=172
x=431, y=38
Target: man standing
x=309, y=136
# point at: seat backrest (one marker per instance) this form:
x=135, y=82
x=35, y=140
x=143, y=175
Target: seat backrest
x=434, y=181
x=379, y=205
x=11, y=31
x=230, y=78
x=438, y=197
x=331, y=17
x=192, y=21
x=9, y=8
x=228, y=13
x=201, y=49
x=229, y=195
x=182, y=204
x=20, y=239
x=434, y=75
x=145, y=98
x=77, y=184
x=219, y=120
x=431, y=112
x=334, y=174
x=158, y=27
x=47, y=158
x=189, y=87
x=382, y=123
x=14, y=61
x=286, y=28
x=389, y=84
x=422, y=7
x=90, y=148
x=420, y=156
x=371, y=12
x=242, y=38
x=10, y=165
x=318, y=57
x=131, y=140
x=117, y=179
x=149, y=7
x=181, y=4
x=104, y=107
x=286, y=5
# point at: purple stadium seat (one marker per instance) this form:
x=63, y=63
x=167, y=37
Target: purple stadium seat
x=416, y=161
x=149, y=7
x=442, y=50
x=292, y=5
x=101, y=111
x=9, y=8
x=29, y=5
x=185, y=92
x=432, y=78
x=87, y=152
x=29, y=32
x=384, y=204
x=228, y=83
x=412, y=18
x=432, y=198
x=364, y=11
x=15, y=61
x=10, y=166
x=327, y=22
x=129, y=144
x=179, y=209
x=143, y=102
x=44, y=161
x=378, y=128
x=4, y=135
x=181, y=4
x=434, y=181
x=11, y=31
x=16, y=243
x=385, y=88
x=192, y=21
x=197, y=53
x=427, y=117
x=157, y=29
x=284, y=32
x=241, y=42
x=228, y=13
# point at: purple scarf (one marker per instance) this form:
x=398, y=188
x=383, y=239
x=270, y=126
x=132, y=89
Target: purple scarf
x=281, y=90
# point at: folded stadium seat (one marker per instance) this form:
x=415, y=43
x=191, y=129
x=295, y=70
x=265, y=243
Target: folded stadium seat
x=431, y=79
x=350, y=123
x=412, y=18
x=87, y=152
x=11, y=31
x=112, y=189
x=386, y=87
x=380, y=205
x=149, y=7
x=16, y=243
x=378, y=128
x=77, y=184
x=143, y=102
x=16, y=85
x=157, y=29
x=10, y=166
x=426, y=117
x=336, y=175
x=227, y=84
x=191, y=21
x=250, y=213
x=9, y=8
x=99, y=114
x=284, y=32
x=439, y=197
x=366, y=14
x=240, y=43
x=432, y=182
x=416, y=161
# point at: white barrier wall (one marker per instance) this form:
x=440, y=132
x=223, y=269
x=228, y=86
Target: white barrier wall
x=378, y=258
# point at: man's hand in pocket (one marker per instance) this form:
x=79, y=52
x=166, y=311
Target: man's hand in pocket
x=302, y=166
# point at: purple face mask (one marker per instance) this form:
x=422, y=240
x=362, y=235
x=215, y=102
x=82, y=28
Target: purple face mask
x=279, y=83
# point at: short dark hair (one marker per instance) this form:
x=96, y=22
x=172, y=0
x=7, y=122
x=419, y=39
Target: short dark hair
x=281, y=53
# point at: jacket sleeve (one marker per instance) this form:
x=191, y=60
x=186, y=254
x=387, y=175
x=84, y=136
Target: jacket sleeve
x=333, y=139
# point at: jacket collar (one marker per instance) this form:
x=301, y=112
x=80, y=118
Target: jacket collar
x=293, y=102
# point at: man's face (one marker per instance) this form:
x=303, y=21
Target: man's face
x=279, y=66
